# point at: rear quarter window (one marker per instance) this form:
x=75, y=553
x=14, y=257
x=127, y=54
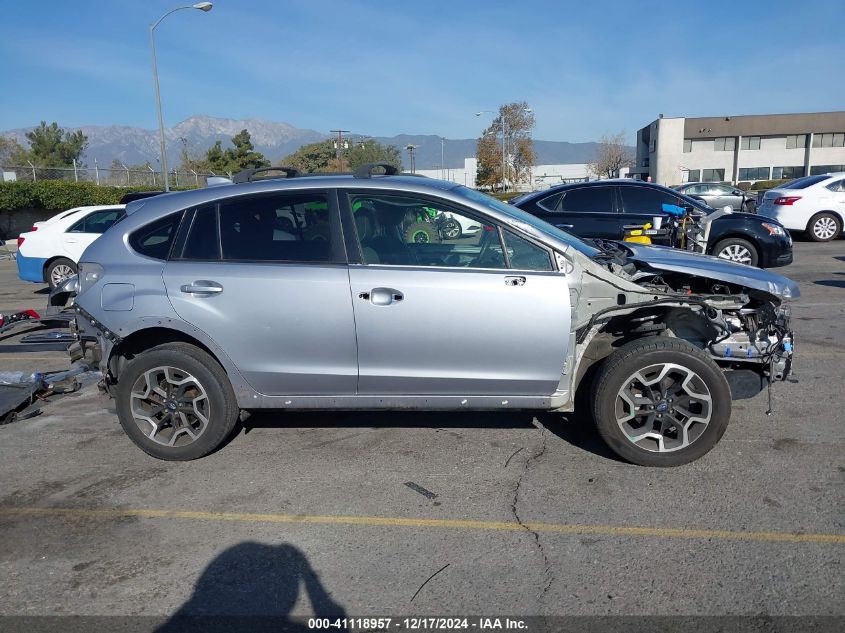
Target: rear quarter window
x=155, y=239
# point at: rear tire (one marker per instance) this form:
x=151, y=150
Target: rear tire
x=59, y=271
x=824, y=227
x=175, y=402
x=660, y=401
x=738, y=250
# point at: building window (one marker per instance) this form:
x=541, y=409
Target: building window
x=818, y=170
x=713, y=175
x=693, y=175
x=787, y=172
x=724, y=143
x=753, y=173
x=687, y=145
x=645, y=161
x=829, y=139
x=796, y=141
x=750, y=142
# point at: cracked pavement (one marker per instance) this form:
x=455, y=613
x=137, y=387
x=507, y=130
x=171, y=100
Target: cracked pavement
x=510, y=471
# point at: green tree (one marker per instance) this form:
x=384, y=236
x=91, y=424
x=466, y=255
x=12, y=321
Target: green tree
x=311, y=158
x=215, y=158
x=517, y=120
x=370, y=151
x=51, y=146
x=243, y=154
x=322, y=156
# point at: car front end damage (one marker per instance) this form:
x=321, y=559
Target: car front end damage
x=739, y=316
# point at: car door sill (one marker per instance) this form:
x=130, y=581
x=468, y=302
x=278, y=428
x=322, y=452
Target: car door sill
x=558, y=401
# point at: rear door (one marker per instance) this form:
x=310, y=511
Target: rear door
x=642, y=203
x=82, y=233
x=586, y=212
x=265, y=276
x=462, y=316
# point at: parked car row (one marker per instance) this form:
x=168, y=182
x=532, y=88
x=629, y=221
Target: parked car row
x=196, y=305
x=605, y=208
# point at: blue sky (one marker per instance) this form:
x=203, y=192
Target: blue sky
x=586, y=68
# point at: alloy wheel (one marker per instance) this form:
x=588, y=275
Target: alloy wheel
x=60, y=274
x=170, y=406
x=736, y=253
x=824, y=228
x=663, y=407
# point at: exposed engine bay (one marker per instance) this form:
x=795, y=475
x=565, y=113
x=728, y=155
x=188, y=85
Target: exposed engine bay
x=737, y=315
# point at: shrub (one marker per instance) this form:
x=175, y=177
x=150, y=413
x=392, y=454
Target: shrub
x=763, y=185
x=58, y=195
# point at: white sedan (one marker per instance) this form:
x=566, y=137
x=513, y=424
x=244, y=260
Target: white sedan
x=49, y=252
x=815, y=204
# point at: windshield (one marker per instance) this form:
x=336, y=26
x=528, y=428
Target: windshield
x=518, y=214
x=803, y=183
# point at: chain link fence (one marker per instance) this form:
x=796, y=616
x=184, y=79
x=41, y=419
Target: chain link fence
x=123, y=177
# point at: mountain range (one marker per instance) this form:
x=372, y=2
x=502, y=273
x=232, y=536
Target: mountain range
x=133, y=145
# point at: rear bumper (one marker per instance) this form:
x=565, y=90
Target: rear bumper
x=31, y=268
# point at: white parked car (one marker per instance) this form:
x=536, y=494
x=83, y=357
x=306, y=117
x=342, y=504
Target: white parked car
x=815, y=204
x=49, y=252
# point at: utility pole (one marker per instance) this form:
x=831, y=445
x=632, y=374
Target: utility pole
x=411, y=149
x=338, y=147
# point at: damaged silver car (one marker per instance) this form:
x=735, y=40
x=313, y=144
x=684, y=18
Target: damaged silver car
x=328, y=292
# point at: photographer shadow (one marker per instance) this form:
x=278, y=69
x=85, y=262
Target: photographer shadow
x=253, y=587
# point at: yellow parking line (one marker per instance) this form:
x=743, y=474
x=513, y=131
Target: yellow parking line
x=551, y=528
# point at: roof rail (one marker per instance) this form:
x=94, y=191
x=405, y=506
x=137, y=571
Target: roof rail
x=247, y=174
x=366, y=170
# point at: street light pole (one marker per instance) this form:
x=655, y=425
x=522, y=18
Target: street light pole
x=338, y=150
x=202, y=6
x=411, y=149
x=442, y=164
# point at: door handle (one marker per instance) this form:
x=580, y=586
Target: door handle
x=382, y=296
x=202, y=286
x=70, y=240
x=514, y=281
x=566, y=226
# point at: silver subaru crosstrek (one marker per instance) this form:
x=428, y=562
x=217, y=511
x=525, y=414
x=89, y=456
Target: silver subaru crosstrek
x=354, y=292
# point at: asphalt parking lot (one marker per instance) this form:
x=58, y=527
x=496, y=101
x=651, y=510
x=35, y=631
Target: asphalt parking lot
x=438, y=514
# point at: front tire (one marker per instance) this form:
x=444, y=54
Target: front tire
x=660, y=401
x=737, y=250
x=59, y=271
x=175, y=402
x=824, y=227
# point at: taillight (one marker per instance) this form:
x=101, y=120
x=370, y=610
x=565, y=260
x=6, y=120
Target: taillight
x=787, y=201
x=20, y=241
x=34, y=228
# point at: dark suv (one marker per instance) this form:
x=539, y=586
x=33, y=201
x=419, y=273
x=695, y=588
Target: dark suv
x=604, y=208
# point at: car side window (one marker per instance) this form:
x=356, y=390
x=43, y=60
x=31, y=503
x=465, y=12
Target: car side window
x=202, y=236
x=281, y=227
x=587, y=200
x=155, y=239
x=647, y=200
x=550, y=203
x=524, y=255
x=96, y=222
x=405, y=230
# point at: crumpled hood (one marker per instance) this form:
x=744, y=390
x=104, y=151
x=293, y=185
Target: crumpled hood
x=710, y=267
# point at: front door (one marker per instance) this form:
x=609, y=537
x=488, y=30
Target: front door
x=452, y=316
x=268, y=282
x=587, y=212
